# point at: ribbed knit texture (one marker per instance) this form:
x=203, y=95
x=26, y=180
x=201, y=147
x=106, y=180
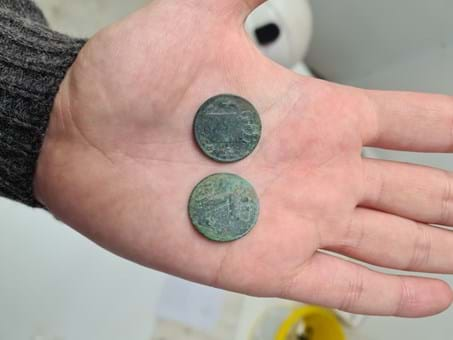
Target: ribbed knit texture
x=33, y=62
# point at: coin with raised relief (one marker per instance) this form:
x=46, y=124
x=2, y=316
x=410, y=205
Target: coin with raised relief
x=227, y=128
x=224, y=207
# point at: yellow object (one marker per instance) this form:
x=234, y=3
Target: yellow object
x=320, y=323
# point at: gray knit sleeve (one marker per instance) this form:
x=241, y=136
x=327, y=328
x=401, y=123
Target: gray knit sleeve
x=33, y=62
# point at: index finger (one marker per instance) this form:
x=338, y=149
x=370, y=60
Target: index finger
x=409, y=121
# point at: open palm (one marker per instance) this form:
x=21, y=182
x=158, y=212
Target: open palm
x=119, y=163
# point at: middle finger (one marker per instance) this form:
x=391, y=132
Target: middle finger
x=416, y=192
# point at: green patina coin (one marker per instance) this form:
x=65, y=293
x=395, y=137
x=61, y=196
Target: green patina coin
x=227, y=128
x=224, y=207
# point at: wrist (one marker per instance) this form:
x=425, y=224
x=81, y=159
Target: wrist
x=34, y=61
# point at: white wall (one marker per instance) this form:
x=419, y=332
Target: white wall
x=404, y=44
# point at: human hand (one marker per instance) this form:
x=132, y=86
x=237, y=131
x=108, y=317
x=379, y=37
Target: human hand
x=119, y=163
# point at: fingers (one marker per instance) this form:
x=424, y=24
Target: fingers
x=394, y=242
x=333, y=282
x=410, y=121
x=416, y=192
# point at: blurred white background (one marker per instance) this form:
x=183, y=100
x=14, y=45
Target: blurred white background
x=55, y=284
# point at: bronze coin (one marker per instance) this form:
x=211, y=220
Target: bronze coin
x=224, y=207
x=227, y=128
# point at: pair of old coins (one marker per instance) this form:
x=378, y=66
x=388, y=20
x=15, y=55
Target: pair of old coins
x=224, y=207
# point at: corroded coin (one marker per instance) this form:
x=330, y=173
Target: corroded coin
x=227, y=128
x=224, y=207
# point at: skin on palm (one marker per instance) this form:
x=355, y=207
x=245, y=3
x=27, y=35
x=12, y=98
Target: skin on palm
x=119, y=163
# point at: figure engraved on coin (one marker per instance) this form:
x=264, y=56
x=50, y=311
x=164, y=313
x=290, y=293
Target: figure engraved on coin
x=227, y=128
x=224, y=207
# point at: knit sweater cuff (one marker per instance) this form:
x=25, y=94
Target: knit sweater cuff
x=33, y=62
